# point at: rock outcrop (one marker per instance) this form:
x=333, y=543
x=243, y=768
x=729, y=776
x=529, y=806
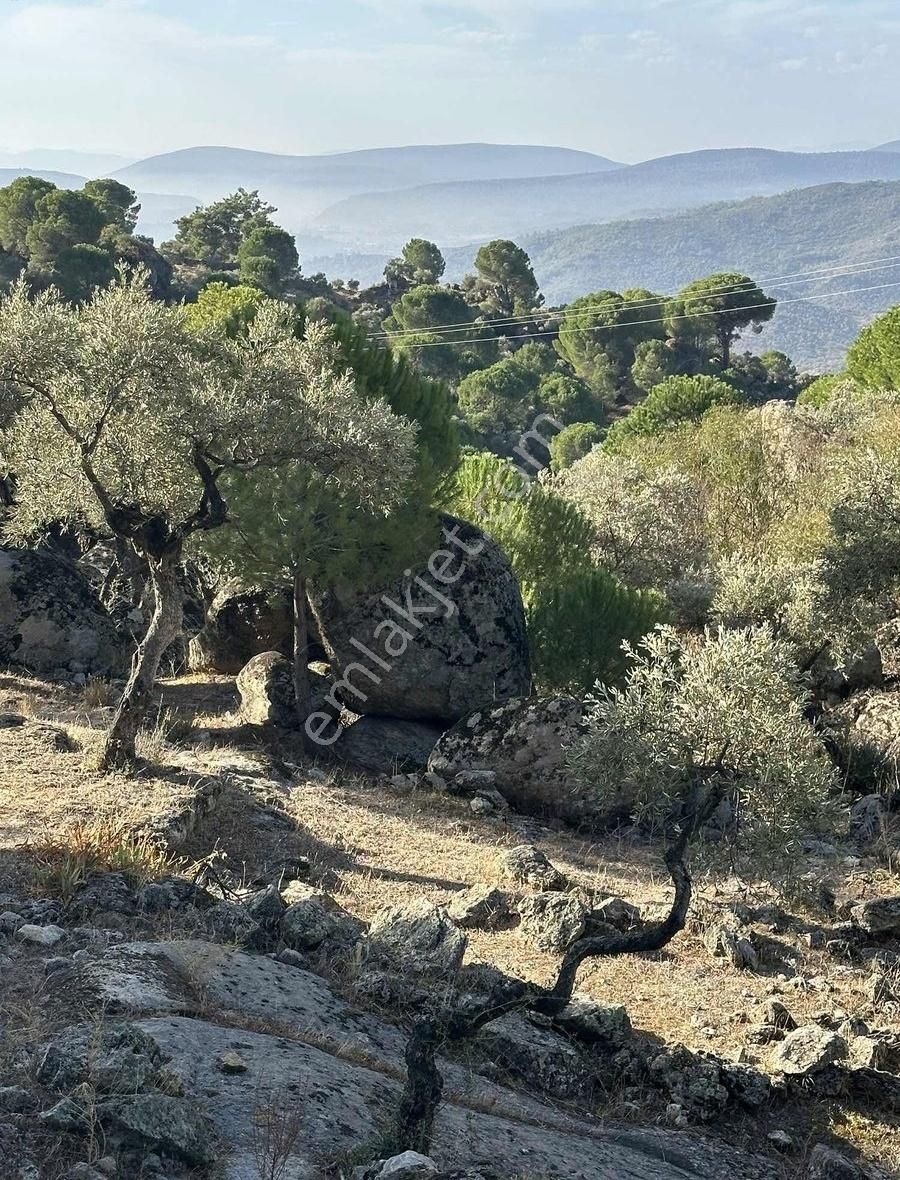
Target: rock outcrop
x=523, y=742
x=51, y=620
x=443, y=640
x=242, y=622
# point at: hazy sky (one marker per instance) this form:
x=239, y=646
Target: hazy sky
x=626, y=78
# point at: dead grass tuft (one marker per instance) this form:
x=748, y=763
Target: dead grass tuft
x=63, y=863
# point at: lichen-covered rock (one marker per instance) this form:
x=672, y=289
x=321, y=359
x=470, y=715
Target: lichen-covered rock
x=827, y=1164
x=552, y=921
x=878, y=915
x=480, y=908
x=114, y=1058
x=807, y=1050
x=515, y=1049
x=265, y=686
x=104, y=893
x=527, y=865
x=452, y=634
x=242, y=622
x=313, y=918
x=616, y=912
x=51, y=620
x=523, y=742
x=595, y=1023
x=159, y=1123
x=419, y=938
x=691, y=1081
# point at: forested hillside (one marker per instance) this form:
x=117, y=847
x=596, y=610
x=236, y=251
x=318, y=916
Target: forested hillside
x=465, y=212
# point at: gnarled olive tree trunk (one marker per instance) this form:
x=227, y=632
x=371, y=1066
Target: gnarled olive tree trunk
x=165, y=627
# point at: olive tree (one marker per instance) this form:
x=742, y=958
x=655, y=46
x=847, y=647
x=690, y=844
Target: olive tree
x=130, y=423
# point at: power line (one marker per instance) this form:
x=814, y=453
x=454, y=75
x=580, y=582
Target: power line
x=668, y=319
x=820, y=274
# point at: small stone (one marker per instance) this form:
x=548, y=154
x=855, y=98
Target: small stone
x=879, y=915
x=807, y=1050
x=15, y=1100
x=617, y=912
x=291, y=958
x=527, y=865
x=232, y=1063
x=552, y=921
x=480, y=908
x=781, y=1140
x=10, y=922
x=54, y=965
x=41, y=935
x=827, y=1164
x=410, y=1163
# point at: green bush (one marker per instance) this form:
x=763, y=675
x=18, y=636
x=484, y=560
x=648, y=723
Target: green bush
x=672, y=402
x=724, y=710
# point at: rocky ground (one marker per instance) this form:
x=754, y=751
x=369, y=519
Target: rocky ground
x=208, y=970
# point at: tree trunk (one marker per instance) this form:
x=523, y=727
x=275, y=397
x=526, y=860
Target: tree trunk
x=725, y=345
x=164, y=629
x=302, y=690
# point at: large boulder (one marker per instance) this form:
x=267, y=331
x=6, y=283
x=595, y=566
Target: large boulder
x=266, y=689
x=524, y=743
x=242, y=622
x=441, y=641
x=387, y=745
x=51, y=619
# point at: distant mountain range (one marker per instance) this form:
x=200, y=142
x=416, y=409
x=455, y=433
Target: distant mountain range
x=894, y=146
x=477, y=209
x=303, y=186
x=63, y=160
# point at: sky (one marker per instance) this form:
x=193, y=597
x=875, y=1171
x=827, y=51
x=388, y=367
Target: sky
x=628, y=79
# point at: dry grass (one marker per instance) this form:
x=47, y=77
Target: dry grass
x=64, y=862
x=372, y=846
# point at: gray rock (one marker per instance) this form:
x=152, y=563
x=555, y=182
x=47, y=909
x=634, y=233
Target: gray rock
x=807, y=1050
x=552, y=921
x=595, y=1023
x=169, y=1126
x=266, y=689
x=387, y=745
x=461, y=651
x=104, y=893
x=344, y=1103
x=41, y=935
x=777, y=1015
x=827, y=1164
x=480, y=908
x=172, y=893
x=878, y=915
x=313, y=918
x=15, y=1100
x=51, y=618
x=618, y=913
x=523, y=742
x=419, y=938
x=527, y=865
x=242, y=622
x=409, y=1164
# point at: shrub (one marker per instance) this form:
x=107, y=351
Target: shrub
x=573, y=443
x=673, y=401
x=577, y=626
x=723, y=707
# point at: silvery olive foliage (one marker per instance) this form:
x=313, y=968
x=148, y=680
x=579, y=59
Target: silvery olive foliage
x=722, y=707
x=127, y=410
x=648, y=523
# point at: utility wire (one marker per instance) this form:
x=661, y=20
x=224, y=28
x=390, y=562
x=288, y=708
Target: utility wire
x=668, y=319
x=820, y=274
